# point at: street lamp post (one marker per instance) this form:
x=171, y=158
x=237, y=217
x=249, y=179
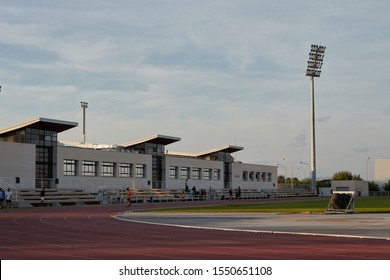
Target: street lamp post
x=314, y=65
x=84, y=105
x=301, y=162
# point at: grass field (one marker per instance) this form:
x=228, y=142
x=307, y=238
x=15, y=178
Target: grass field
x=362, y=205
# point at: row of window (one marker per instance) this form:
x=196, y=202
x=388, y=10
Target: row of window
x=257, y=176
x=195, y=173
x=107, y=169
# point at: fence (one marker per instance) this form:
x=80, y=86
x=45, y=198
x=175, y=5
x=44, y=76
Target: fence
x=379, y=193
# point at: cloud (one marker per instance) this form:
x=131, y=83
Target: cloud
x=299, y=141
x=364, y=150
x=206, y=71
x=323, y=119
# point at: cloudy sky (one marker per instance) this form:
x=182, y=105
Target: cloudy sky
x=213, y=72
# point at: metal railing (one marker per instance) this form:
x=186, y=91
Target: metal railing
x=380, y=193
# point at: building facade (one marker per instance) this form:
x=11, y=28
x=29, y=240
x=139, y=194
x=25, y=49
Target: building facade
x=32, y=156
x=359, y=187
x=382, y=171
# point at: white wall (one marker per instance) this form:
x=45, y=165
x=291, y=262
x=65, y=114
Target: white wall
x=360, y=187
x=254, y=174
x=191, y=163
x=17, y=160
x=80, y=154
x=382, y=171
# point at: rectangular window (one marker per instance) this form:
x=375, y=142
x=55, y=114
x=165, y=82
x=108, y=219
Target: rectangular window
x=207, y=174
x=70, y=167
x=184, y=173
x=173, y=172
x=245, y=176
x=89, y=168
x=217, y=174
x=196, y=173
x=269, y=177
x=140, y=170
x=251, y=175
x=108, y=169
x=125, y=170
x=258, y=176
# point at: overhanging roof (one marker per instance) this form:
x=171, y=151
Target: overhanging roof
x=42, y=123
x=155, y=139
x=227, y=149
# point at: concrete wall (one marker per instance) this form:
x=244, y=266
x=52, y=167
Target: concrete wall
x=359, y=187
x=80, y=154
x=16, y=160
x=191, y=164
x=254, y=176
x=382, y=171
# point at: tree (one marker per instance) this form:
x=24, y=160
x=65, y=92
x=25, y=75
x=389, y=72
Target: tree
x=345, y=175
x=281, y=179
x=324, y=183
x=294, y=181
x=373, y=187
x=386, y=186
x=306, y=181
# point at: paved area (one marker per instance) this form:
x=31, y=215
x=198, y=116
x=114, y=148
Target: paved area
x=351, y=225
x=91, y=232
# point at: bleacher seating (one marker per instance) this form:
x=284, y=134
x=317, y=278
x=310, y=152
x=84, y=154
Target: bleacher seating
x=56, y=197
x=150, y=195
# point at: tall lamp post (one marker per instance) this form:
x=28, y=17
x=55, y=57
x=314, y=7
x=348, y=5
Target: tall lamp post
x=316, y=57
x=84, y=105
x=367, y=168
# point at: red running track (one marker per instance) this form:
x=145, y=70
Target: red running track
x=90, y=232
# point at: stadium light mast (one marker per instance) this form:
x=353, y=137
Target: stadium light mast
x=314, y=64
x=84, y=105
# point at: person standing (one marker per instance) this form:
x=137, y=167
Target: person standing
x=8, y=198
x=238, y=194
x=2, y=197
x=42, y=194
x=129, y=194
x=187, y=188
x=230, y=194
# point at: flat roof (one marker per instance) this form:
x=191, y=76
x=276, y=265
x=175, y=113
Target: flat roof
x=227, y=149
x=154, y=139
x=42, y=123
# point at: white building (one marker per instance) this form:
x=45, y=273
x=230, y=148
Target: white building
x=32, y=156
x=382, y=171
x=359, y=187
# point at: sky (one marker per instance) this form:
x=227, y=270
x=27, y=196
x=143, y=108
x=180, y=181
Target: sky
x=212, y=72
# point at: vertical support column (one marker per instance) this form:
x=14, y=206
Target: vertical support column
x=313, y=141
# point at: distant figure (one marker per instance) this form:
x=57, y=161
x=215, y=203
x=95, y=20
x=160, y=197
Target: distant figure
x=230, y=193
x=187, y=187
x=238, y=193
x=8, y=198
x=129, y=197
x=2, y=197
x=42, y=194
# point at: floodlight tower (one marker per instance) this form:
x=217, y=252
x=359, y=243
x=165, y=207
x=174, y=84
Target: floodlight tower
x=316, y=57
x=84, y=105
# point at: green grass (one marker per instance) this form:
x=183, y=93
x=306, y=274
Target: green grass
x=362, y=205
